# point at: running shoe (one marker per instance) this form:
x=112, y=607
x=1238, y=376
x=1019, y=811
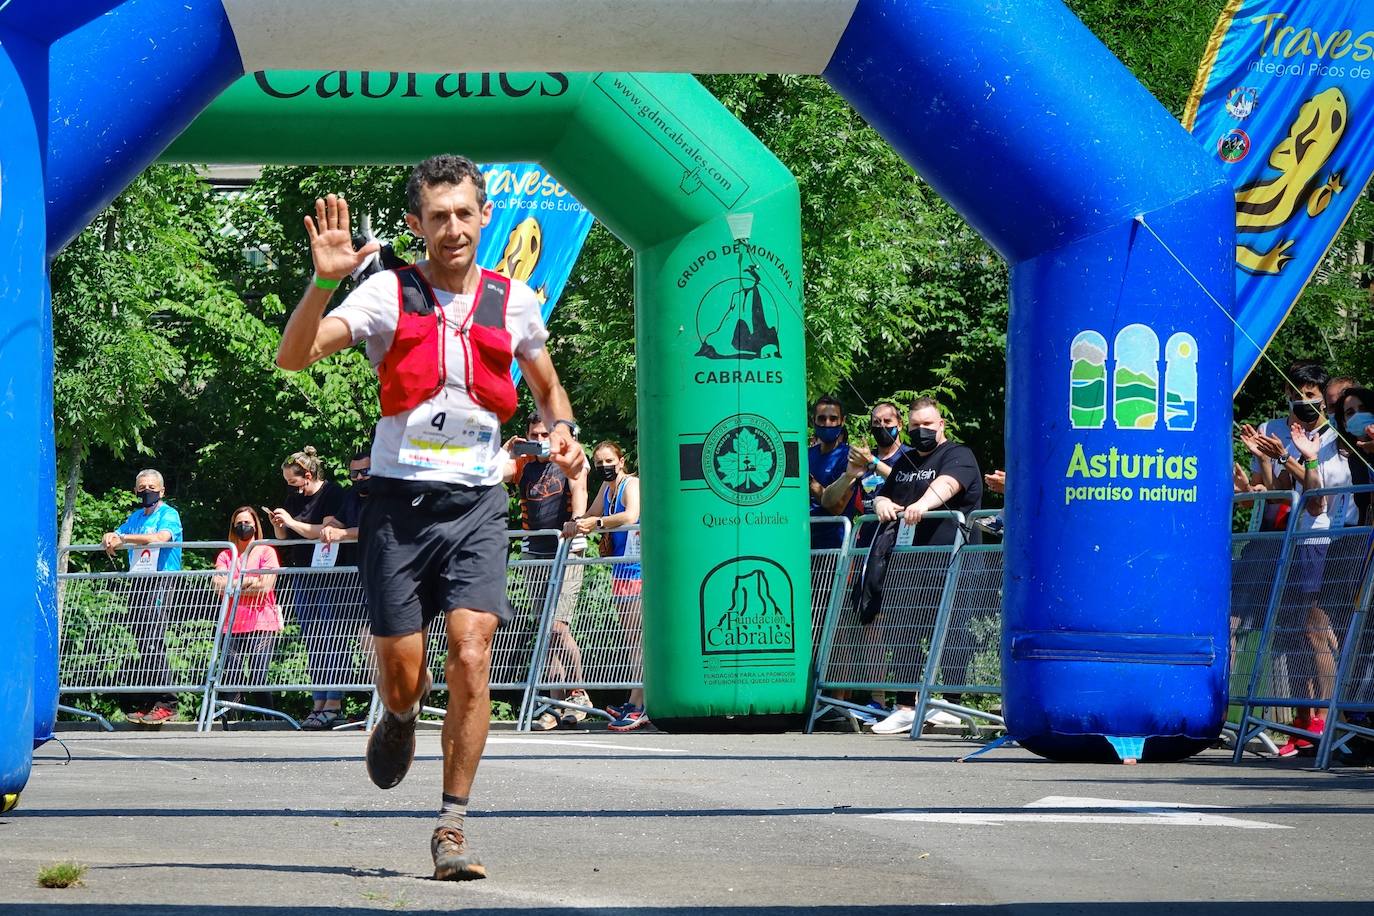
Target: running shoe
x=453, y=860
x=545, y=723
x=871, y=713
x=896, y=724
x=635, y=717
x=391, y=746
x=617, y=712
x=579, y=697
x=940, y=717
x=160, y=713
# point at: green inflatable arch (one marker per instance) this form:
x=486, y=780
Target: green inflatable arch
x=719, y=335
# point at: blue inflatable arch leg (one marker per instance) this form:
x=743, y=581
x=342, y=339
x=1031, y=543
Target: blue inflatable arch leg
x=1118, y=550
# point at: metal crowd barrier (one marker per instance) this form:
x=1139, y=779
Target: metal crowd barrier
x=1255, y=555
x=324, y=644
x=1300, y=632
x=514, y=647
x=825, y=578
x=591, y=632
x=144, y=632
x=966, y=655
x=902, y=648
x=1312, y=625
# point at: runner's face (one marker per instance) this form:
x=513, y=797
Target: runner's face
x=451, y=222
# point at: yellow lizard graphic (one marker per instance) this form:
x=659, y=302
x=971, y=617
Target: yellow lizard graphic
x=523, y=247
x=1300, y=158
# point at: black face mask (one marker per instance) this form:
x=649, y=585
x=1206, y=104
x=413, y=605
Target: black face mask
x=883, y=436
x=149, y=498
x=1305, y=411
x=243, y=530
x=603, y=474
x=360, y=487
x=921, y=439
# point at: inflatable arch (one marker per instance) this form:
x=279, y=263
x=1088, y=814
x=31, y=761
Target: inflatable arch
x=1117, y=556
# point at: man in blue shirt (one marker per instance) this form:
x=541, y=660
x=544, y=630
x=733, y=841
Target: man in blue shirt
x=827, y=460
x=152, y=523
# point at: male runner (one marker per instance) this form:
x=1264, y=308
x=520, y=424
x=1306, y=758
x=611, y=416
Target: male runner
x=441, y=335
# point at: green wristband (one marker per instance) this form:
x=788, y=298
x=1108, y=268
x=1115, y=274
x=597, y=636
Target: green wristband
x=1311, y=465
x=324, y=283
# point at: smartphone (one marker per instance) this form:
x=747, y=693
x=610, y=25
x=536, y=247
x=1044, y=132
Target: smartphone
x=535, y=449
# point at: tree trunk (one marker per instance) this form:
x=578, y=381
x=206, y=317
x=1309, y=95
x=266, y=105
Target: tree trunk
x=76, y=457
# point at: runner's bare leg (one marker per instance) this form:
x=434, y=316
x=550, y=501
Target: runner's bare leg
x=400, y=670
x=469, y=697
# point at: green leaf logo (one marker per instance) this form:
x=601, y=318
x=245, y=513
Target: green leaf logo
x=743, y=459
x=748, y=465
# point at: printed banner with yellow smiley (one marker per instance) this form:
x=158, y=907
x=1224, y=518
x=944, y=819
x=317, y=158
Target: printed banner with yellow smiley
x=1284, y=99
x=536, y=232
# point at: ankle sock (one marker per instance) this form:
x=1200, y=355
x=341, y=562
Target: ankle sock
x=453, y=810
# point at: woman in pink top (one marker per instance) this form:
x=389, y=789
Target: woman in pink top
x=257, y=619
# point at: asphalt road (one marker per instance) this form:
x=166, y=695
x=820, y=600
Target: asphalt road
x=844, y=825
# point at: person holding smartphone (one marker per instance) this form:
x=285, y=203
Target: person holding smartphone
x=550, y=498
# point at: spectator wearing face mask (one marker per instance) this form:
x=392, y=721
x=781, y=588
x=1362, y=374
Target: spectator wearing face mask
x=936, y=474
x=342, y=529
x=616, y=505
x=1353, y=414
x=550, y=498
x=868, y=467
x=827, y=459
x=257, y=616
x=153, y=522
x=1302, y=452
x=312, y=499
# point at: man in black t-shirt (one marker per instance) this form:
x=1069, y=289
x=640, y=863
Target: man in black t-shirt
x=342, y=529
x=935, y=474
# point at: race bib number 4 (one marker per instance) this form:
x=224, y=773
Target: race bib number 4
x=442, y=438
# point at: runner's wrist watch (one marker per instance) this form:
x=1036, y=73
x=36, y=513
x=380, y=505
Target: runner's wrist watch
x=573, y=429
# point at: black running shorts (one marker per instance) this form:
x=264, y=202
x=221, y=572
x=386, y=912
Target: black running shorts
x=426, y=548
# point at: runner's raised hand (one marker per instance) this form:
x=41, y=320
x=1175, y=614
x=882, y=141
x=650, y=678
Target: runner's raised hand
x=331, y=239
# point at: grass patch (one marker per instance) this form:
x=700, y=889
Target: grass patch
x=61, y=874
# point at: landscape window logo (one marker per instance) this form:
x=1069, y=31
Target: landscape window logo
x=746, y=608
x=1134, y=380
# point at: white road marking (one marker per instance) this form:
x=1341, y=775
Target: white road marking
x=601, y=746
x=1145, y=813
x=143, y=758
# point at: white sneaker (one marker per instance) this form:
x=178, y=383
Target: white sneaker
x=896, y=724
x=940, y=717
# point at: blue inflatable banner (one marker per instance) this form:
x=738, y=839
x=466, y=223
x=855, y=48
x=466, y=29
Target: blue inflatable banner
x=1283, y=100
x=536, y=232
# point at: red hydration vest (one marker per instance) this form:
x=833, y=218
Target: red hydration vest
x=414, y=368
